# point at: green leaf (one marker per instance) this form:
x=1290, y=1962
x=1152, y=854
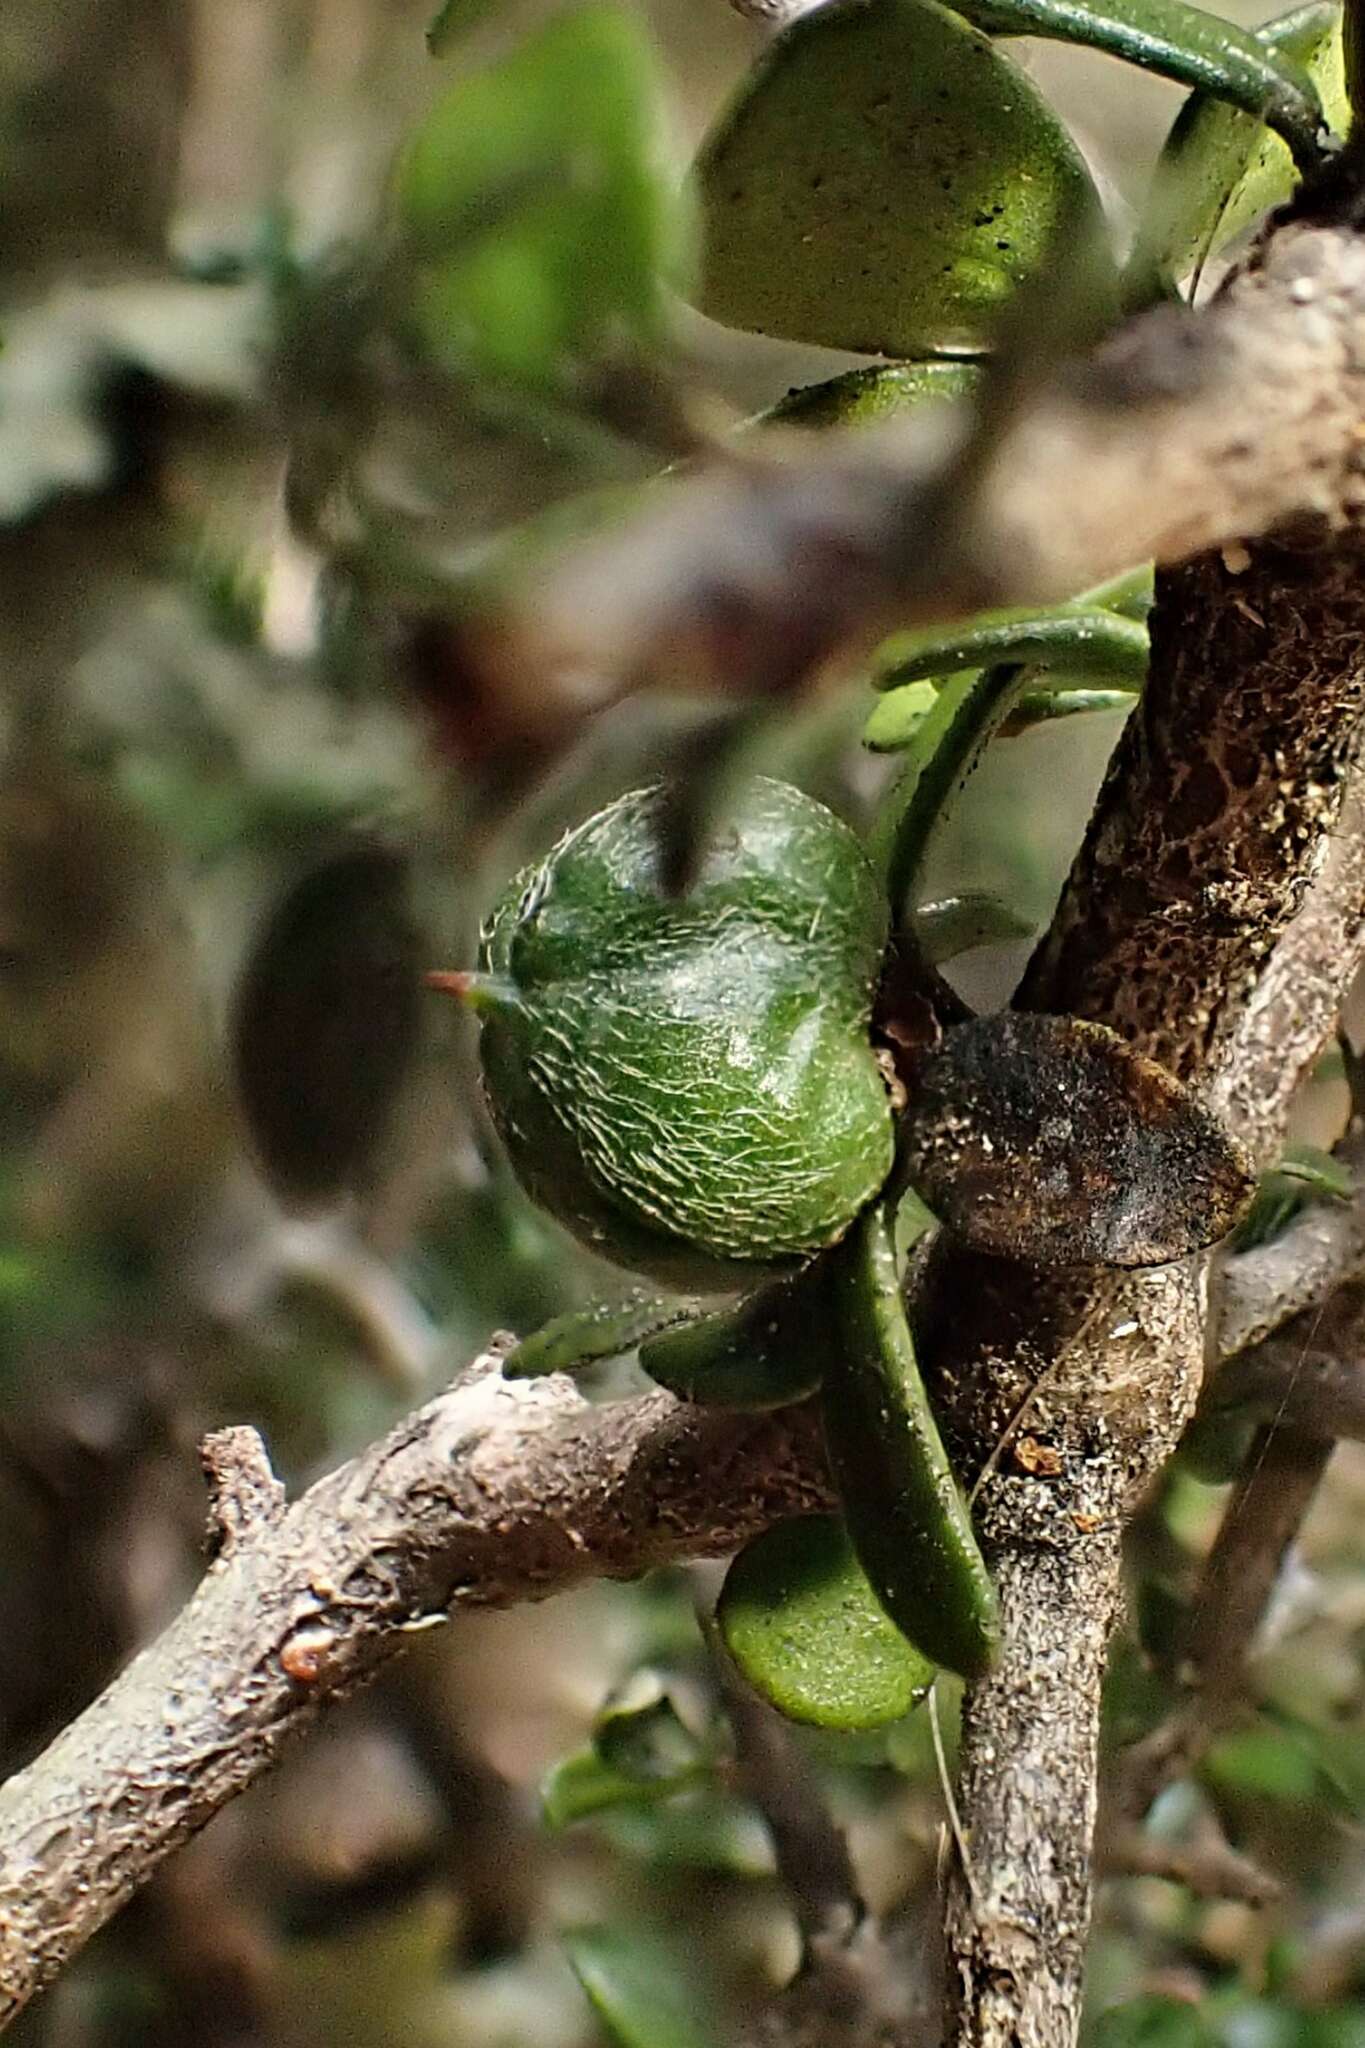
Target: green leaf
x=641, y=1751
x=644, y=1995
x=910, y=1526
x=884, y=182
x=1154, y=2022
x=863, y=397
x=703, y=1831
x=640, y=1734
x=1268, y=1762
x=805, y=1628
x=766, y=1352
x=1220, y=170
x=1069, y=639
x=1184, y=43
x=608, y=1329
x=536, y=216
x=1304, y=1174
x=580, y=1785
x=897, y=718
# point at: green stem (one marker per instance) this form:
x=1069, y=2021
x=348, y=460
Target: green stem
x=957, y=730
x=1186, y=44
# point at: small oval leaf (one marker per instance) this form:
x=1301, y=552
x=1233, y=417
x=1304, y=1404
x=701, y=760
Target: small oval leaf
x=768, y=1351
x=803, y=1625
x=326, y=1023
x=863, y=397
x=608, y=1329
x=884, y=182
x=908, y=1521
x=1049, y=1139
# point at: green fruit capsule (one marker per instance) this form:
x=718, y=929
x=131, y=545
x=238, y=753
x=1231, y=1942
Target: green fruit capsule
x=687, y=1082
x=909, y=1523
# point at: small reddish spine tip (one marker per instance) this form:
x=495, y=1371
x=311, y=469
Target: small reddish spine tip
x=449, y=982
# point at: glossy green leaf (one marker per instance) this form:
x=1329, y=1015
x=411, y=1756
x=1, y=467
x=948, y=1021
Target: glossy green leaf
x=1068, y=639
x=644, y=1995
x=1187, y=44
x=884, y=182
x=608, y=1329
x=769, y=1350
x=909, y=1523
x=535, y=212
x=1220, y=169
x=864, y=397
x=802, y=1623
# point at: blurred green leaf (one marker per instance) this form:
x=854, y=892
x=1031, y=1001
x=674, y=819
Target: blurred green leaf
x=641, y=1751
x=1270, y=1762
x=537, y=216
x=897, y=717
x=326, y=1023
x=805, y=1628
x=455, y=19
x=1220, y=170
x=1154, y=2022
x=644, y=1995
x=702, y=1830
x=883, y=182
x=640, y=1734
x=581, y=1785
x=1303, y=1175
x=1041, y=707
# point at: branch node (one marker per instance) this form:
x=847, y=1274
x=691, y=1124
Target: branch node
x=245, y=1497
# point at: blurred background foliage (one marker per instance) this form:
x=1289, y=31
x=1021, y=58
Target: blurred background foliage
x=299, y=323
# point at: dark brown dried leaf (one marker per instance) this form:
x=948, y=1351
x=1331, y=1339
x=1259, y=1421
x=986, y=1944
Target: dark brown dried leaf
x=1051, y=1140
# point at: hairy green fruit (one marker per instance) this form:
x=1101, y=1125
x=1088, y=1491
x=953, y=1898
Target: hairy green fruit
x=687, y=1082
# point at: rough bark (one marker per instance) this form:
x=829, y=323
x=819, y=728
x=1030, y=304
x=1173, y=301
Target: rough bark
x=1215, y=821
x=496, y=1492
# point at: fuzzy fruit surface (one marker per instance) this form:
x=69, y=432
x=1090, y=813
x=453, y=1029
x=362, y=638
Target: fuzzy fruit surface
x=687, y=1083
